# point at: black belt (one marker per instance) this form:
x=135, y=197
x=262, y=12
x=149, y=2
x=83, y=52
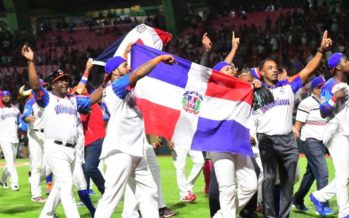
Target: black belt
x=39, y=130
x=64, y=144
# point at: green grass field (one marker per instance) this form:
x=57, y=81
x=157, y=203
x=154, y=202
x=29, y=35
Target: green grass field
x=19, y=204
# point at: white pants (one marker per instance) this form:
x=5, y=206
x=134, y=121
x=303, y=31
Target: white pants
x=130, y=202
x=179, y=155
x=61, y=161
x=37, y=162
x=10, y=151
x=339, y=150
x=327, y=192
x=78, y=180
x=123, y=169
x=229, y=168
x=257, y=157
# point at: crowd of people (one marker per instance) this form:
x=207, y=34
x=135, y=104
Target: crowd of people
x=100, y=122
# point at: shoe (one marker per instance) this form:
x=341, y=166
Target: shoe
x=15, y=188
x=48, y=188
x=166, y=212
x=193, y=195
x=188, y=198
x=329, y=211
x=39, y=199
x=300, y=207
x=4, y=185
x=91, y=192
x=80, y=204
x=319, y=206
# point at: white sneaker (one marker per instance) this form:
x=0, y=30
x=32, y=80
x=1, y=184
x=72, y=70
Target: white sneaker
x=4, y=185
x=15, y=188
x=80, y=204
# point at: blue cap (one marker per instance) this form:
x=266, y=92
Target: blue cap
x=317, y=81
x=334, y=60
x=220, y=65
x=5, y=93
x=113, y=63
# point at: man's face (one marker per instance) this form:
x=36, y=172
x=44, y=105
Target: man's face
x=229, y=70
x=246, y=77
x=61, y=86
x=6, y=99
x=270, y=71
x=343, y=65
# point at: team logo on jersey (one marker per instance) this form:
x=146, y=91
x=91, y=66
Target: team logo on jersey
x=61, y=109
x=191, y=102
x=141, y=28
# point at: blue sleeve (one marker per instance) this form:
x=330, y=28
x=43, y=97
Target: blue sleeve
x=120, y=86
x=327, y=104
x=28, y=109
x=106, y=114
x=83, y=104
x=296, y=83
x=23, y=126
x=41, y=97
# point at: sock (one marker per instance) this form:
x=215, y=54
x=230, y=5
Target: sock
x=49, y=178
x=85, y=197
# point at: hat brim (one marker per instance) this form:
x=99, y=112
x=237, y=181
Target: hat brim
x=61, y=77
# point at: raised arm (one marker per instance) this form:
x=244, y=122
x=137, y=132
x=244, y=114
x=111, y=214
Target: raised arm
x=97, y=95
x=234, y=48
x=206, y=42
x=32, y=75
x=83, y=81
x=314, y=63
x=147, y=67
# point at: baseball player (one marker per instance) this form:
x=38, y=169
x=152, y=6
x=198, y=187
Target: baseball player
x=123, y=146
x=334, y=107
x=33, y=116
x=9, y=119
x=130, y=202
x=78, y=179
x=277, y=145
x=313, y=125
x=61, y=132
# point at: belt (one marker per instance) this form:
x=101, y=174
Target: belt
x=64, y=144
x=38, y=130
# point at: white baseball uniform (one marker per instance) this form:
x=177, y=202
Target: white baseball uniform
x=123, y=153
x=8, y=141
x=78, y=176
x=130, y=203
x=35, y=135
x=61, y=135
x=179, y=155
x=336, y=138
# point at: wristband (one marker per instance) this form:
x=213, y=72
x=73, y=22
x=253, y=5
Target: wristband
x=30, y=61
x=320, y=50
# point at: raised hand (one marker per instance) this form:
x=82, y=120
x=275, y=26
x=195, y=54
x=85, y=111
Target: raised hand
x=234, y=41
x=89, y=64
x=326, y=42
x=27, y=53
x=206, y=42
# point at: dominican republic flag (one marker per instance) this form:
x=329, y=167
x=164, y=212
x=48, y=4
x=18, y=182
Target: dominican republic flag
x=192, y=105
x=141, y=34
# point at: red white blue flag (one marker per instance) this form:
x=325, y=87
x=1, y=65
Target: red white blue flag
x=192, y=105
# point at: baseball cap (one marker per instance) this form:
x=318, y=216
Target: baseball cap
x=5, y=93
x=57, y=75
x=220, y=65
x=317, y=81
x=334, y=60
x=113, y=63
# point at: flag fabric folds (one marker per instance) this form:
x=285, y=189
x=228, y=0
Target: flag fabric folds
x=142, y=34
x=192, y=105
